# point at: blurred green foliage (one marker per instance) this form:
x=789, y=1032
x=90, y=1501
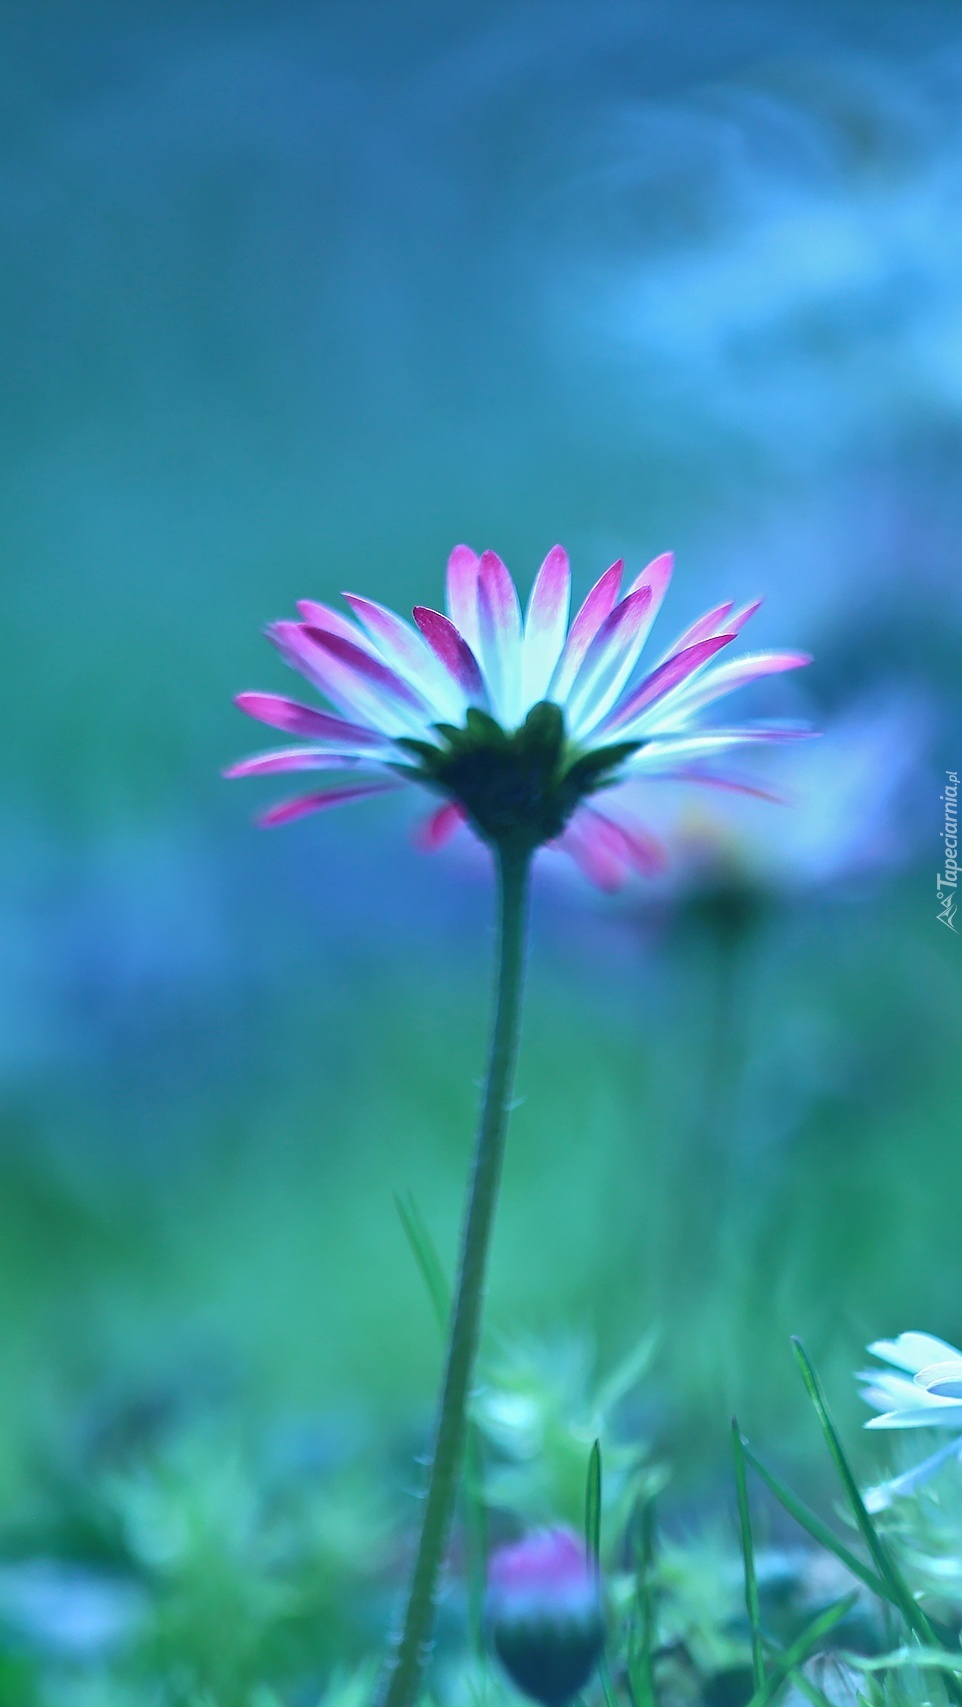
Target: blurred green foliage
x=172, y=1557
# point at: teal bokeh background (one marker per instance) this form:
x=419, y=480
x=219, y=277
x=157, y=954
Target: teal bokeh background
x=293, y=298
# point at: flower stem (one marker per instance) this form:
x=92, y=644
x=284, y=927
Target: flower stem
x=410, y=1656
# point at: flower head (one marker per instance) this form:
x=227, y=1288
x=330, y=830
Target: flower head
x=517, y=724
x=920, y=1388
x=545, y=1615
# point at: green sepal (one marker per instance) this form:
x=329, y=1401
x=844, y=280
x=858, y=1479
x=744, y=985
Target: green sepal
x=591, y=770
x=514, y=786
x=483, y=730
x=423, y=750
x=543, y=731
x=414, y=771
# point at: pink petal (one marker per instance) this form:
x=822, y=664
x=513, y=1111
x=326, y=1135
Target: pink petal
x=723, y=619
x=742, y=616
x=294, y=759
x=499, y=621
x=295, y=719
x=596, y=607
x=437, y=830
x=462, y=593
x=453, y=651
x=662, y=680
x=713, y=622
x=759, y=732
x=358, y=683
x=738, y=672
x=734, y=785
x=614, y=669
x=607, y=848
x=340, y=685
x=642, y=850
x=545, y=624
x=609, y=660
x=542, y=1566
x=288, y=810
x=387, y=683
x=350, y=689
x=406, y=651
x=604, y=862
x=321, y=616
x=656, y=577
x=662, y=752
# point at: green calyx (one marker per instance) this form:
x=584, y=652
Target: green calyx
x=518, y=789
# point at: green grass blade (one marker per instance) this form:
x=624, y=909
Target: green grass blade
x=820, y=1532
x=899, y=1592
x=748, y=1559
x=801, y=1649
x=641, y=1671
x=425, y=1254
x=607, y=1683
x=593, y=1506
x=626, y=1374
x=813, y=1525
x=593, y=1548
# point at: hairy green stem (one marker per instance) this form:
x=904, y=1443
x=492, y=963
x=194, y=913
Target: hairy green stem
x=408, y=1661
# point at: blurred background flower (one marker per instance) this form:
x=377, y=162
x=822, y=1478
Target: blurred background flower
x=851, y=804
x=545, y=1614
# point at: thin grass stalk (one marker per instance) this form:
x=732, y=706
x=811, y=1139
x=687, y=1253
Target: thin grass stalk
x=752, y=1605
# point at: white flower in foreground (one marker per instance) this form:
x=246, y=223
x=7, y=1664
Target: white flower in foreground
x=920, y=1388
x=518, y=723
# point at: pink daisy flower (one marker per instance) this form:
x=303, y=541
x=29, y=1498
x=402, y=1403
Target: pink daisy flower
x=525, y=727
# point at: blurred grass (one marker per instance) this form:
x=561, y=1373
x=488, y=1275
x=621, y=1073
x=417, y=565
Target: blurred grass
x=254, y=1228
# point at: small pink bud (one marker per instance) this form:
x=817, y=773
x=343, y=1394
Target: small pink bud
x=545, y=1615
